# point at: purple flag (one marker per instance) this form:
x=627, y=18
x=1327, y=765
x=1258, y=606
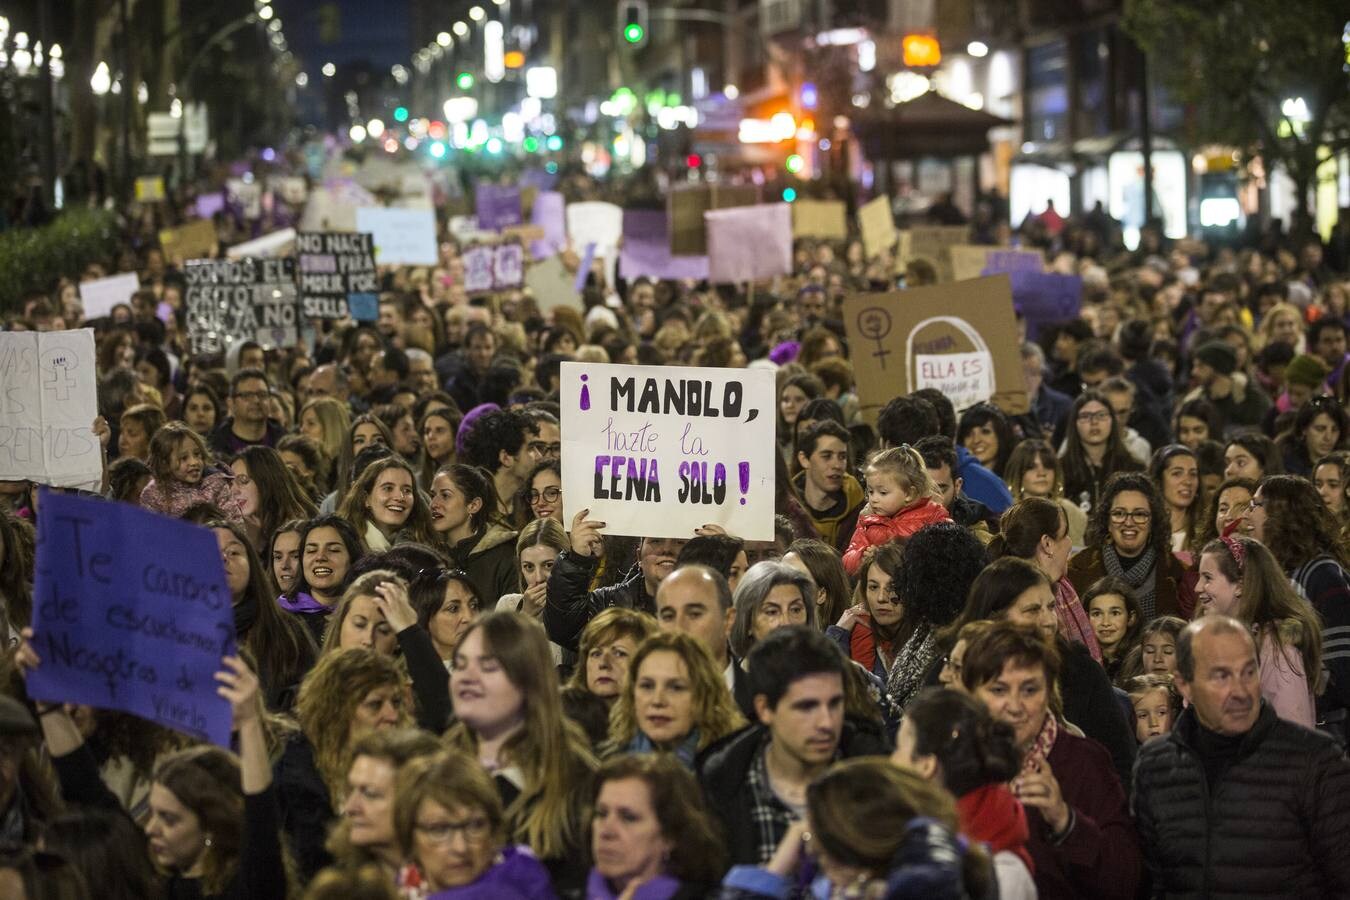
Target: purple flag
x=1043, y=298
x=584, y=270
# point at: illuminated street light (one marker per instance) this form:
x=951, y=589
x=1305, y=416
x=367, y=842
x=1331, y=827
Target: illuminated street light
x=476, y=13
x=444, y=39
x=357, y=133
x=329, y=70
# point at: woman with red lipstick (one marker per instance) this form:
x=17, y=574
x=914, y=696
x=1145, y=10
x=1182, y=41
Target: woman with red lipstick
x=651, y=836
x=505, y=693
x=674, y=700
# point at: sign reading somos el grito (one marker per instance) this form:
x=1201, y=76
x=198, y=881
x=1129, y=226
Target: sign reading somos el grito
x=657, y=451
x=249, y=299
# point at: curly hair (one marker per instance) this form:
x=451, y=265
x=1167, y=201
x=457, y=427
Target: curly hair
x=715, y=712
x=1297, y=514
x=490, y=434
x=327, y=702
x=1159, y=534
x=941, y=562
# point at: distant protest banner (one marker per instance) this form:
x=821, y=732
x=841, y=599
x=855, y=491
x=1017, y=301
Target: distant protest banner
x=877, y=226
x=549, y=213
x=749, y=243
x=972, y=261
x=98, y=297
x=646, y=249
x=657, y=451
x=932, y=242
x=1046, y=298
x=240, y=300
x=497, y=206
x=826, y=219
x=48, y=403
x=333, y=267
x=120, y=623
x=402, y=236
x=959, y=338
x=195, y=240
x=685, y=206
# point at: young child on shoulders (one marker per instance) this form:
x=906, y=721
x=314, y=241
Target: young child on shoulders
x=182, y=478
x=901, y=499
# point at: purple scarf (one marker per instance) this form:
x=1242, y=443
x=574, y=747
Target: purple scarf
x=302, y=603
x=662, y=887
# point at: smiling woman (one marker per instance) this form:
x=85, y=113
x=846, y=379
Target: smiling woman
x=384, y=504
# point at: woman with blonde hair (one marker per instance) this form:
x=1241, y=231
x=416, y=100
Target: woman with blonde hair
x=326, y=420
x=675, y=699
x=364, y=430
x=347, y=695
x=505, y=693
x=385, y=506
x=1282, y=323
x=605, y=651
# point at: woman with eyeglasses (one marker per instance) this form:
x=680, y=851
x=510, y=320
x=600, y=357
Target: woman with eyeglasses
x=1094, y=450
x=541, y=495
x=1176, y=473
x=1320, y=427
x=450, y=823
x=1129, y=538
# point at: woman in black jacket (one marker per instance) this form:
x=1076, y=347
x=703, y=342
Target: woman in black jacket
x=463, y=500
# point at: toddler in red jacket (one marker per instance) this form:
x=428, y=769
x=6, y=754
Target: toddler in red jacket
x=900, y=501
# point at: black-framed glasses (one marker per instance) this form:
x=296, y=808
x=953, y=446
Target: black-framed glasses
x=1089, y=418
x=252, y=395
x=548, y=495
x=1137, y=516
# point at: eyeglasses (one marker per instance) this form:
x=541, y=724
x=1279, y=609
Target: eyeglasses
x=473, y=830
x=545, y=451
x=1137, y=516
x=252, y=395
x=548, y=495
x=1091, y=418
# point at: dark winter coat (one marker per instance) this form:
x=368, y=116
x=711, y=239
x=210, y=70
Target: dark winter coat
x=1273, y=825
x=570, y=602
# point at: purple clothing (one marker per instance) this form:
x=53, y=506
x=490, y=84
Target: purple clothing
x=662, y=887
x=302, y=603
x=515, y=875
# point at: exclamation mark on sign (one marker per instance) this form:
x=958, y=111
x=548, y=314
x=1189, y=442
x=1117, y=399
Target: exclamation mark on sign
x=585, y=394
x=744, y=471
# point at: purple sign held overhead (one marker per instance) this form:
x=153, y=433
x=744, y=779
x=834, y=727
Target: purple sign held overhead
x=498, y=206
x=646, y=249
x=550, y=214
x=1043, y=298
x=120, y=624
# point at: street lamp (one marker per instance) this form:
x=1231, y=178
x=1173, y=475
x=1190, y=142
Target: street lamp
x=101, y=81
x=477, y=14
x=444, y=39
x=460, y=28
x=329, y=70
x=266, y=12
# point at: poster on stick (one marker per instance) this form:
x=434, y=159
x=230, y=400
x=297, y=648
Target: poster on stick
x=48, y=403
x=333, y=267
x=231, y=300
x=959, y=338
x=749, y=243
x=658, y=451
x=120, y=624
x=972, y=261
x=100, y=295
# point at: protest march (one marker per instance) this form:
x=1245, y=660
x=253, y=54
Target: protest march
x=391, y=522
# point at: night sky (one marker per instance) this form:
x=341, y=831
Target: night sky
x=341, y=31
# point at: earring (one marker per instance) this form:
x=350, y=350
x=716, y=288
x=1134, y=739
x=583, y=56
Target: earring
x=208, y=841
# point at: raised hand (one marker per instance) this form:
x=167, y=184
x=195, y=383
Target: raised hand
x=586, y=537
x=392, y=599
x=240, y=686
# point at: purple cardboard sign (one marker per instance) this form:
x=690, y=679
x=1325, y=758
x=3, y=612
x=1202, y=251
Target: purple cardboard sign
x=584, y=270
x=1042, y=298
x=550, y=214
x=210, y=204
x=498, y=206
x=646, y=249
x=999, y=262
x=121, y=624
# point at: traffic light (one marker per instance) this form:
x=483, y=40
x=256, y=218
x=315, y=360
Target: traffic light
x=795, y=163
x=464, y=80
x=633, y=22
x=401, y=114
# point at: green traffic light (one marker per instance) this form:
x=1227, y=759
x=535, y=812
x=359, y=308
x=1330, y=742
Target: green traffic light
x=401, y=114
x=554, y=143
x=464, y=80
x=531, y=144
x=795, y=163
x=633, y=33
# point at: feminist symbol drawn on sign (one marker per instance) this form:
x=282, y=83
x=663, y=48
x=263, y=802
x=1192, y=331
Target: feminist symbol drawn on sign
x=58, y=363
x=874, y=323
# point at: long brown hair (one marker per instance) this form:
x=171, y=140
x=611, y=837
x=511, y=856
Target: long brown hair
x=281, y=496
x=206, y=780
x=355, y=510
x=552, y=753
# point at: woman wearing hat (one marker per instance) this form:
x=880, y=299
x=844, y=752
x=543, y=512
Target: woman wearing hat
x=1237, y=401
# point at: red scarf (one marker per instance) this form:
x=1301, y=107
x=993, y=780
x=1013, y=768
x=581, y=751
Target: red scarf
x=993, y=816
x=865, y=645
x=1074, y=622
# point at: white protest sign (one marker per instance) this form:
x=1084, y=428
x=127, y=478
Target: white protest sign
x=965, y=378
x=278, y=243
x=477, y=269
x=749, y=243
x=551, y=284
x=102, y=294
x=594, y=222
x=657, y=451
x=48, y=402
x=402, y=236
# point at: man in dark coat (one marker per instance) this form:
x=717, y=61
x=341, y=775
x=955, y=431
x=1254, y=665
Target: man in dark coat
x=1237, y=802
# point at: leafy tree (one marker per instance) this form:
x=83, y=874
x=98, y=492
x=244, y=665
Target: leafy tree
x=1236, y=63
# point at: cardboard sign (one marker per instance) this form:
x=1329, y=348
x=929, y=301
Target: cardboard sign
x=932, y=242
x=1046, y=298
x=646, y=249
x=658, y=451
x=402, y=236
x=497, y=206
x=121, y=624
x=149, y=188
x=877, y=226
x=48, y=402
x=686, y=205
x=749, y=243
x=959, y=338
x=551, y=284
x=972, y=261
x=597, y=223
x=240, y=300
x=332, y=267
x=102, y=294
x=195, y=240
x=820, y=219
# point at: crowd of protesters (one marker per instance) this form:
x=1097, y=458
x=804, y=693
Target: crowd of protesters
x=1100, y=648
